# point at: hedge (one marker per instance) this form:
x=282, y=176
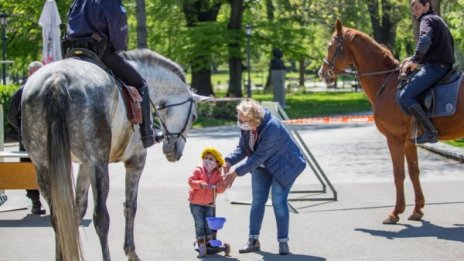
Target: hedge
x=6, y=91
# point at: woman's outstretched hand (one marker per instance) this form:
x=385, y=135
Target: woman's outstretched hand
x=229, y=179
x=226, y=167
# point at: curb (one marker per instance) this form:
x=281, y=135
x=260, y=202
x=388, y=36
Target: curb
x=445, y=150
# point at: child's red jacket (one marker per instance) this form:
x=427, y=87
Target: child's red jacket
x=204, y=196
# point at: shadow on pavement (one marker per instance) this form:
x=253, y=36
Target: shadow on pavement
x=427, y=229
x=35, y=221
x=370, y=207
x=271, y=257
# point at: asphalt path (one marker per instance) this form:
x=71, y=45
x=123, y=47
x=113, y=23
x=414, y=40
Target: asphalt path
x=353, y=156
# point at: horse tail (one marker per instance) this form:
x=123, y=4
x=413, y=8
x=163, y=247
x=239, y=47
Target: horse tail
x=61, y=179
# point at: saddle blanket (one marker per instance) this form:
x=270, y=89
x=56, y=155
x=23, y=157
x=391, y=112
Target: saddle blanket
x=444, y=99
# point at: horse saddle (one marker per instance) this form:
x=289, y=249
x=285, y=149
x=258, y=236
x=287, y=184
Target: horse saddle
x=130, y=95
x=133, y=102
x=440, y=100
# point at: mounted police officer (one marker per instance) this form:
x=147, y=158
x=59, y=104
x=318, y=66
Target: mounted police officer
x=101, y=26
x=435, y=53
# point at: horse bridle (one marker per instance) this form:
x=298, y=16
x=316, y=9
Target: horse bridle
x=331, y=72
x=167, y=133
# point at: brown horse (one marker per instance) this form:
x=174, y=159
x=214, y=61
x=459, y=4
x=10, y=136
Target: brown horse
x=378, y=71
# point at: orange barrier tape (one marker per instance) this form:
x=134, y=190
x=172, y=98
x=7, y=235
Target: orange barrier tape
x=335, y=119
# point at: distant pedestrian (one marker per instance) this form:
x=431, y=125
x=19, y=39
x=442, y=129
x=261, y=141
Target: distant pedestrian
x=278, y=73
x=14, y=118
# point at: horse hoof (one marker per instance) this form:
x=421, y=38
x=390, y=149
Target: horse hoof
x=391, y=220
x=134, y=257
x=415, y=216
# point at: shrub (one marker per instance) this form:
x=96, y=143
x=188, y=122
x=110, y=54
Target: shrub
x=216, y=113
x=6, y=91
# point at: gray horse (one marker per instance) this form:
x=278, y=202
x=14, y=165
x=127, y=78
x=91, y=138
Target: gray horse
x=73, y=111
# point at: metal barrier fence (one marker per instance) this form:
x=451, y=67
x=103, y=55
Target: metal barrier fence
x=278, y=112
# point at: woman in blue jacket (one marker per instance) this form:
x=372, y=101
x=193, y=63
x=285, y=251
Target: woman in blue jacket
x=274, y=160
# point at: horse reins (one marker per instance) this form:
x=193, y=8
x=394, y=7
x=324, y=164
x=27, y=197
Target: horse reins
x=164, y=106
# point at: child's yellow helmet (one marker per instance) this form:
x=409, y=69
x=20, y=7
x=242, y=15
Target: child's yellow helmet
x=215, y=153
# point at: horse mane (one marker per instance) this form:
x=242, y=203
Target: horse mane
x=388, y=58
x=149, y=57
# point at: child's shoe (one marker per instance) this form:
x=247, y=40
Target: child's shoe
x=201, y=248
x=226, y=249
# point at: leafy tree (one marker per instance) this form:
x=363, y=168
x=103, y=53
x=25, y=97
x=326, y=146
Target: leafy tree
x=141, y=24
x=200, y=16
x=385, y=16
x=24, y=34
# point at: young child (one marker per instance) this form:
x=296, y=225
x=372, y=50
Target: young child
x=204, y=183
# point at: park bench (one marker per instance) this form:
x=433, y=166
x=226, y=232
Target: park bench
x=16, y=175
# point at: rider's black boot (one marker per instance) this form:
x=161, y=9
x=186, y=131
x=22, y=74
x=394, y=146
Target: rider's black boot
x=146, y=128
x=430, y=134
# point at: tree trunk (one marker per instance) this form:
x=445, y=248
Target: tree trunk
x=436, y=6
x=235, y=61
x=270, y=17
x=383, y=23
x=301, y=71
x=141, y=24
x=201, y=11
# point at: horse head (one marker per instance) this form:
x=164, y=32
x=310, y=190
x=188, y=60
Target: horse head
x=176, y=115
x=171, y=96
x=337, y=58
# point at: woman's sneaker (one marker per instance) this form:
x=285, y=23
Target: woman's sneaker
x=251, y=246
x=283, y=248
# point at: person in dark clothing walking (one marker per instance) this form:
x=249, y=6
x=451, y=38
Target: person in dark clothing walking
x=101, y=26
x=14, y=118
x=278, y=71
x=435, y=55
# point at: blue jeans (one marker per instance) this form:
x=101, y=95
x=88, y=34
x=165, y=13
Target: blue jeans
x=261, y=182
x=200, y=213
x=428, y=75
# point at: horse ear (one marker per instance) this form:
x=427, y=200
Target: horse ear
x=339, y=26
x=200, y=98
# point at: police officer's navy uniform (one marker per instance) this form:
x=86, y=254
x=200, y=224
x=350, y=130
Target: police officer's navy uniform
x=106, y=20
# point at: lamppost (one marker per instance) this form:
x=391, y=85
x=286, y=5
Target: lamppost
x=248, y=31
x=3, y=21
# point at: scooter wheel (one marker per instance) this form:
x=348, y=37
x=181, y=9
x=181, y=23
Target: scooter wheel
x=226, y=249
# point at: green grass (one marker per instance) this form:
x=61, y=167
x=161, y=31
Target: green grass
x=325, y=103
x=457, y=143
x=303, y=105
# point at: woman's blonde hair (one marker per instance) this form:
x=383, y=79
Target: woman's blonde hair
x=252, y=111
